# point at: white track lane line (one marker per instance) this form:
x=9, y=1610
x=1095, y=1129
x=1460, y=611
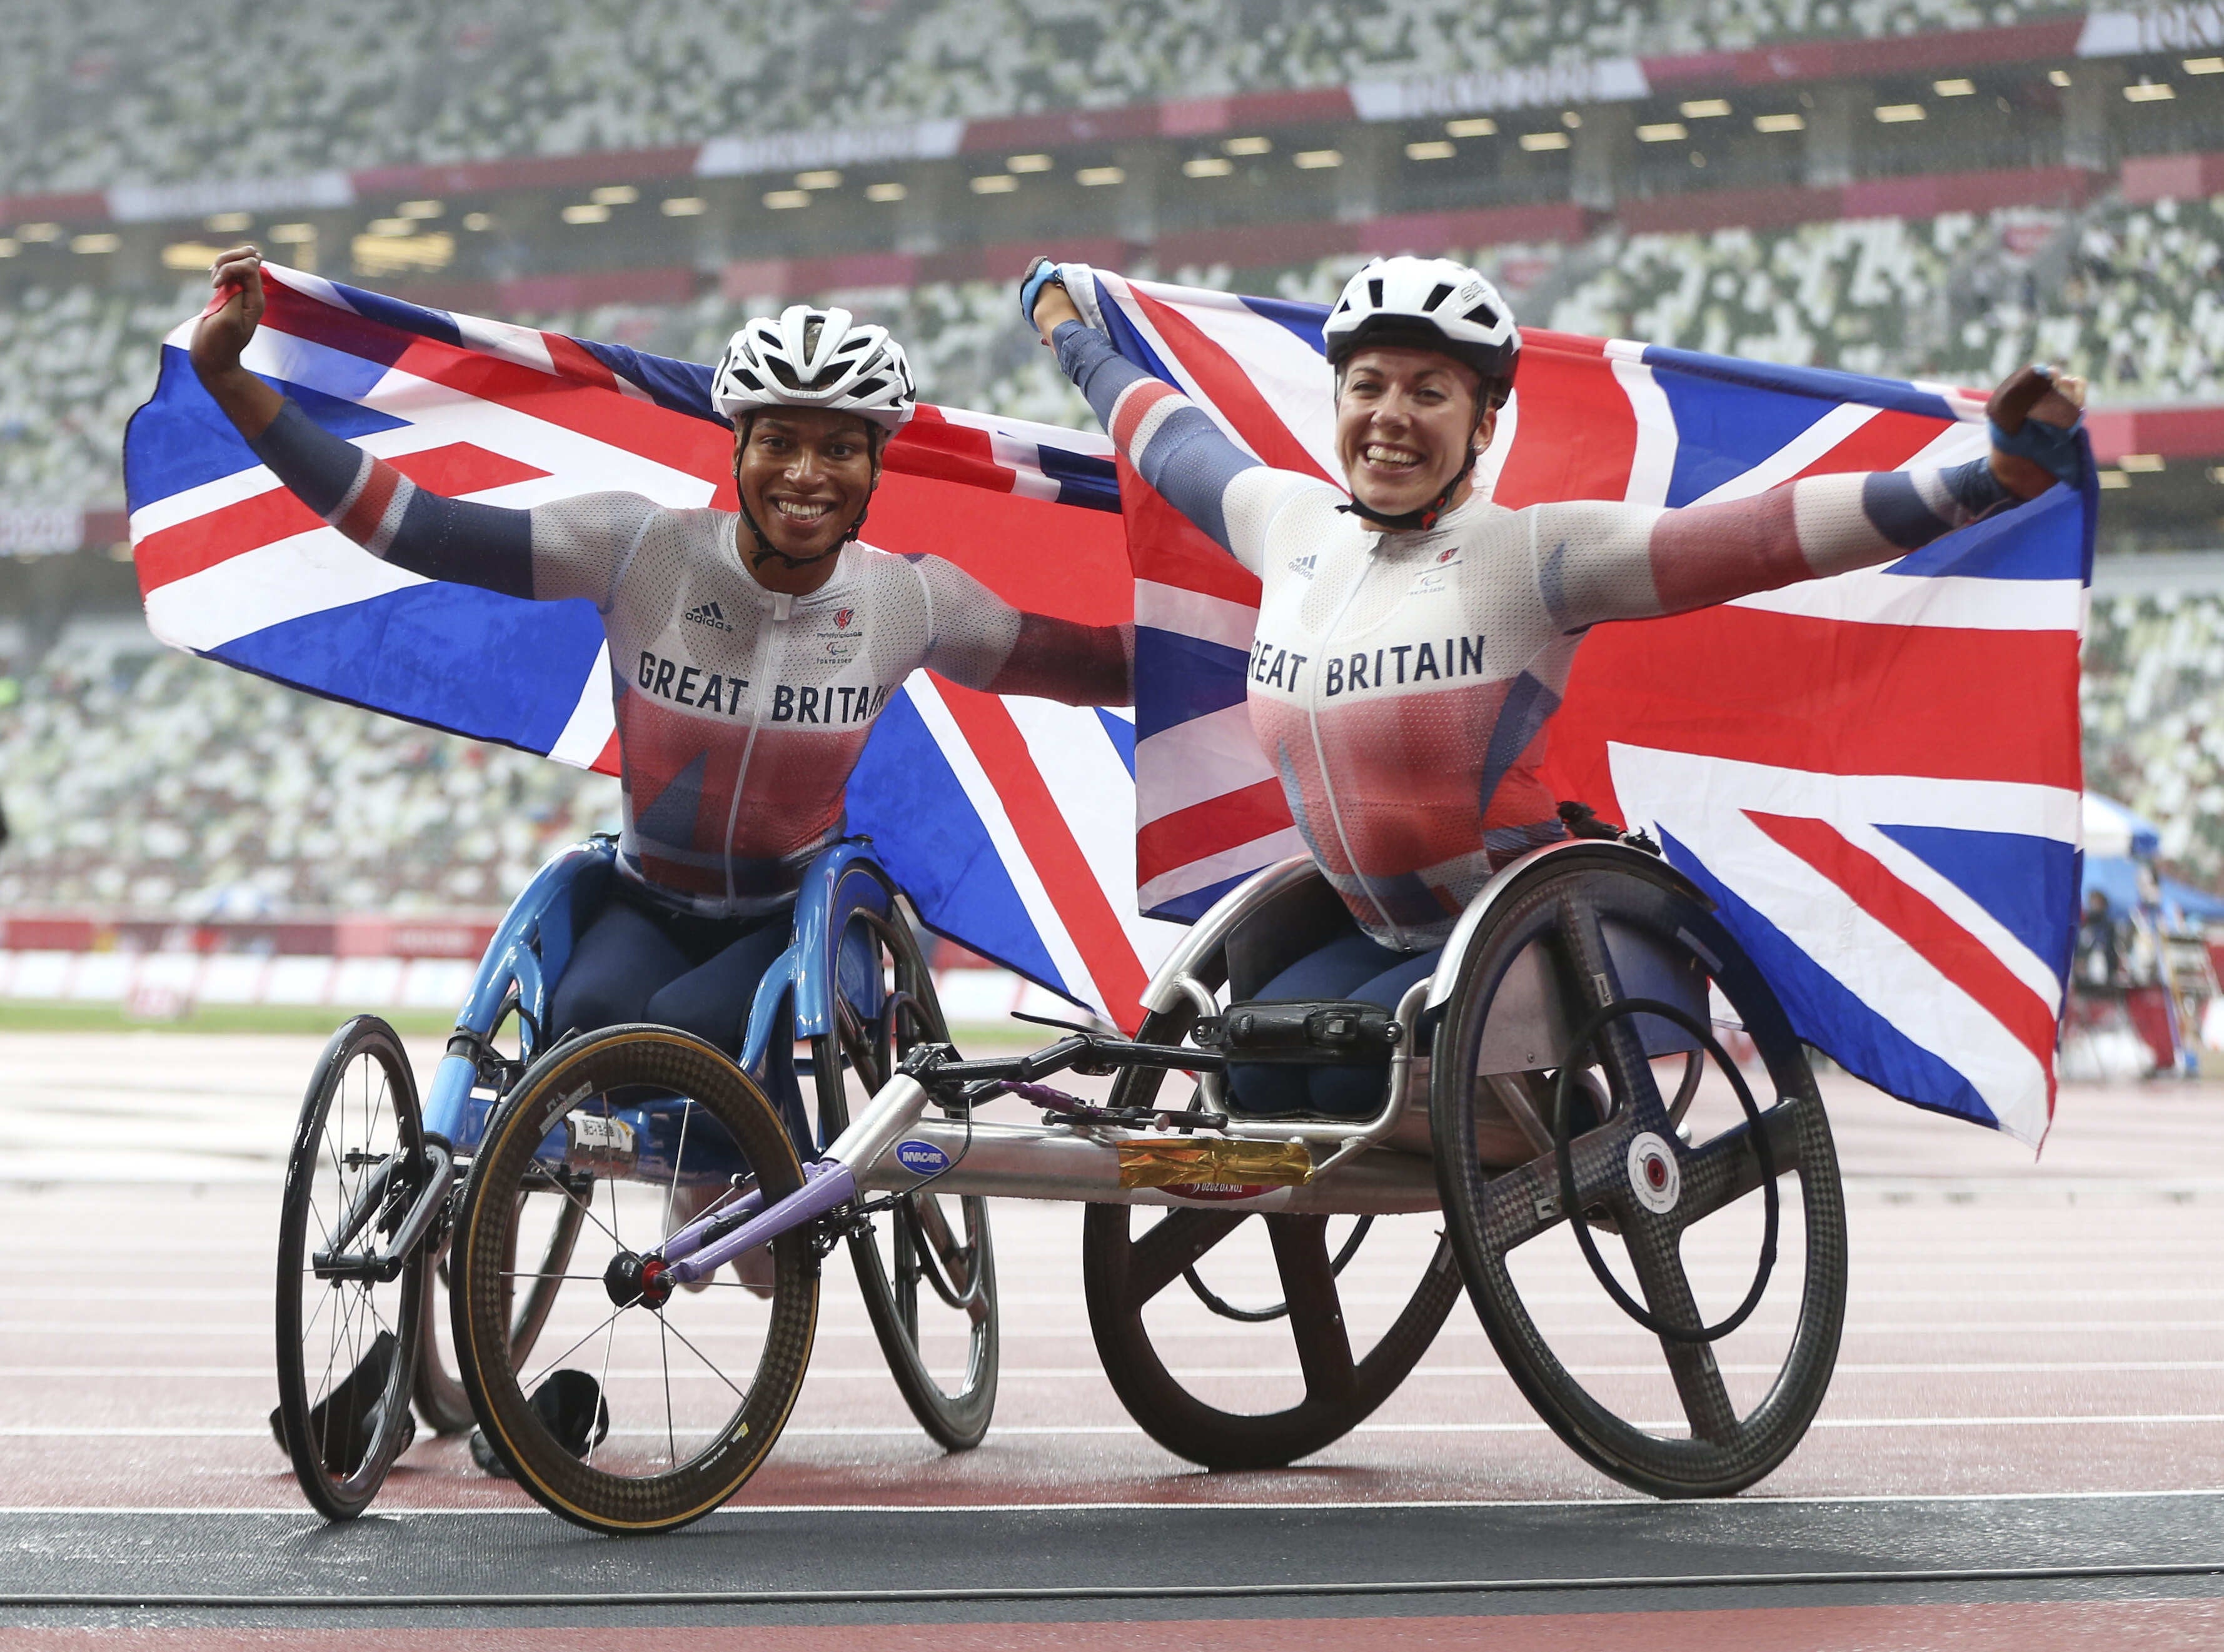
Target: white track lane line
x=1081, y=1333
x=864, y=1431
x=768, y=1510
x=1062, y=1373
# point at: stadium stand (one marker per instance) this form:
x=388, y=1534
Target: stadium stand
x=74, y=361
x=142, y=778
x=2131, y=299
x=119, y=90
x=107, y=747
x=2154, y=719
x=2131, y=295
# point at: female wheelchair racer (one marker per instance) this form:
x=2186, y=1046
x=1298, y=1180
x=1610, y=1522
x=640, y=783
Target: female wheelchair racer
x=1421, y=636
x=753, y=650
x=1413, y=640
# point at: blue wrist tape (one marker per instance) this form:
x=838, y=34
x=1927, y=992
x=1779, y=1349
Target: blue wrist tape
x=2054, y=447
x=1043, y=272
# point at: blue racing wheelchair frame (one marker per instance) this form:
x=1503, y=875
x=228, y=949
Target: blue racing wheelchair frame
x=853, y=984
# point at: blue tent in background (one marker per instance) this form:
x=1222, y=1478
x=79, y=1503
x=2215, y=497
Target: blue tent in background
x=2116, y=842
x=2198, y=905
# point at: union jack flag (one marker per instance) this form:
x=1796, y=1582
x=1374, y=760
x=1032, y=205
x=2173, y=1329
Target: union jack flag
x=1876, y=776
x=1006, y=819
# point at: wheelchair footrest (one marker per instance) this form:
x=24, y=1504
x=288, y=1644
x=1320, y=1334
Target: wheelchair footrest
x=1302, y=1032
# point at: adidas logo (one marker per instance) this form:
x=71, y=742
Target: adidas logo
x=1303, y=566
x=709, y=614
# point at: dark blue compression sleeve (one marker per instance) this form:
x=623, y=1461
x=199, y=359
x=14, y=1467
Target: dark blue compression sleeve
x=1169, y=440
x=393, y=518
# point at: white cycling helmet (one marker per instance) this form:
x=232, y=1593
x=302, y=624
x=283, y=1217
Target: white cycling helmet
x=1425, y=304
x=811, y=357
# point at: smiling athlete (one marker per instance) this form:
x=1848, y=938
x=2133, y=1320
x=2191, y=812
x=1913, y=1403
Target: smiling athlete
x=752, y=649
x=1414, y=638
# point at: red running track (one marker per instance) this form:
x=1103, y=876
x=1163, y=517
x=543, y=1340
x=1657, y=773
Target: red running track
x=2014, y=1327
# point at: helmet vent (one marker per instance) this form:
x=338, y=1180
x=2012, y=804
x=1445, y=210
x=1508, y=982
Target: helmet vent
x=1437, y=294
x=1483, y=316
x=1375, y=292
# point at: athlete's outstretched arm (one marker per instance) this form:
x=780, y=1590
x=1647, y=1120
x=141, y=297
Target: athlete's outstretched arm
x=977, y=638
x=1171, y=441
x=374, y=504
x=1598, y=561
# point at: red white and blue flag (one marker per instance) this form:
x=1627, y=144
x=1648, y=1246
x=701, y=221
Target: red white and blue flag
x=1876, y=776
x=1008, y=821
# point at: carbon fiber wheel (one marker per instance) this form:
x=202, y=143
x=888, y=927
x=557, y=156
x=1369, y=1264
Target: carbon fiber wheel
x=941, y=1343
x=1587, y=930
x=347, y=1338
x=1200, y=1314
x=638, y=1411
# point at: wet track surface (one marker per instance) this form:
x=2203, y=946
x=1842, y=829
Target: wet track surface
x=2022, y=1446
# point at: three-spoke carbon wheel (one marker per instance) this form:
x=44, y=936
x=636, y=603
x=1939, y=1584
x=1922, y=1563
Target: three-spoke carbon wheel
x=1680, y=1193
x=941, y=1343
x=1266, y=1365
x=638, y=1409
x=347, y=1337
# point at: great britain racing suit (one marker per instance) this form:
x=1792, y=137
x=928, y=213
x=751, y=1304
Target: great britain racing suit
x=1402, y=681
x=741, y=712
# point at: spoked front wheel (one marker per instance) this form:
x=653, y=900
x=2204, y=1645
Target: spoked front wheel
x=349, y=1302
x=1676, y=1187
x=940, y=1341
x=641, y=1407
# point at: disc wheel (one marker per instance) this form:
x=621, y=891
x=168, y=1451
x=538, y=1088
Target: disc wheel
x=941, y=1343
x=346, y=1343
x=684, y=1394
x=1129, y=1261
x=1592, y=933
x=442, y=1400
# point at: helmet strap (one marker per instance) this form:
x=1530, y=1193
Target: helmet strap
x=1427, y=517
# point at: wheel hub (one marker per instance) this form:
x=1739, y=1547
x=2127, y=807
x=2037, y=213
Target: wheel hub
x=1654, y=1175
x=630, y=1279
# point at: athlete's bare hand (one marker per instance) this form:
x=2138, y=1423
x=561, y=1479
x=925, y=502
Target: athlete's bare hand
x=1053, y=309
x=2032, y=393
x=226, y=325
x=230, y=320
